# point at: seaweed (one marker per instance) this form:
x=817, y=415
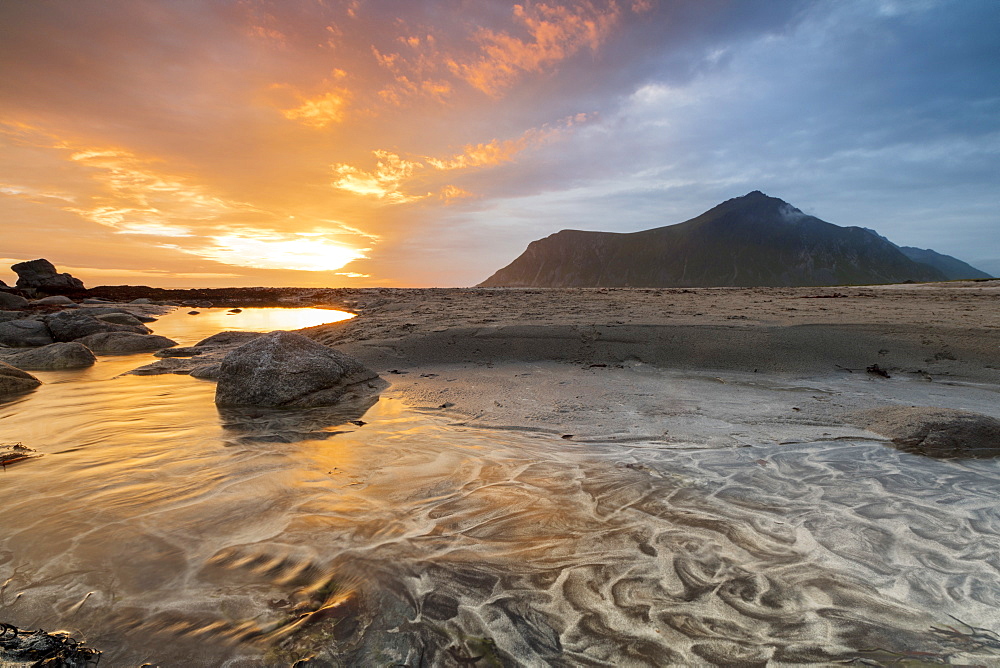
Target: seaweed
x=12, y=453
x=45, y=650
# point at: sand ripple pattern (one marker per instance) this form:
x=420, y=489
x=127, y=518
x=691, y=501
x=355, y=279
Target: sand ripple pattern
x=422, y=543
x=643, y=557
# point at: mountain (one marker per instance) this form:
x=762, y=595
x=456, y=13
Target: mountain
x=951, y=267
x=754, y=240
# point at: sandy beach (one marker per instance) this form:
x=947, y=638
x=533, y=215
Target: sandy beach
x=556, y=359
x=548, y=478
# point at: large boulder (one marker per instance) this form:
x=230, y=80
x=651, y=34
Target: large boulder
x=15, y=381
x=288, y=370
x=124, y=343
x=51, y=357
x=72, y=325
x=11, y=301
x=25, y=332
x=936, y=432
x=42, y=275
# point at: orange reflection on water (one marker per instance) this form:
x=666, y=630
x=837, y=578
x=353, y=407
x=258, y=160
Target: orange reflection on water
x=189, y=329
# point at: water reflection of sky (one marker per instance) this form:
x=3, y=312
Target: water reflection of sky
x=189, y=329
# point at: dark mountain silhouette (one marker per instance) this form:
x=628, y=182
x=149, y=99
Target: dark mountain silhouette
x=950, y=266
x=754, y=240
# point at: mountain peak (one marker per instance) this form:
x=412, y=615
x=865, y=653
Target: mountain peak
x=753, y=240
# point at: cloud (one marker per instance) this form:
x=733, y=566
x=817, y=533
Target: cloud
x=554, y=33
x=302, y=251
x=383, y=182
x=320, y=111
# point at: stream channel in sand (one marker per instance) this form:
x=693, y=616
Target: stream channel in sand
x=154, y=525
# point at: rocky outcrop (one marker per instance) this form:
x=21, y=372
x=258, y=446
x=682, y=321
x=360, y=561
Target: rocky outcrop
x=24, y=332
x=749, y=241
x=288, y=370
x=11, y=301
x=936, y=432
x=124, y=343
x=42, y=275
x=15, y=381
x=51, y=357
x=72, y=325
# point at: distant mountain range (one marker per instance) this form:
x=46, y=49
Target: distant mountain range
x=749, y=241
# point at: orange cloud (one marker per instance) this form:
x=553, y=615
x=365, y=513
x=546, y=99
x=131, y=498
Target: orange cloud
x=382, y=182
x=478, y=155
x=263, y=249
x=137, y=200
x=392, y=172
x=555, y=32
x=451, y=193
x=320, y=111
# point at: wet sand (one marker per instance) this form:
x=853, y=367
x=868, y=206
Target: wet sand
x=554, y=477
x=588, y=358
x=794, y=535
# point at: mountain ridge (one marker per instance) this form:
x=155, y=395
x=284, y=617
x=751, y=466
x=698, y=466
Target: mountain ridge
x=749, y=241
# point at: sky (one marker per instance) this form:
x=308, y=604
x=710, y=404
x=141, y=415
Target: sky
x=326, y=143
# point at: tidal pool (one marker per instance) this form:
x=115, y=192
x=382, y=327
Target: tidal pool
x=165, y=531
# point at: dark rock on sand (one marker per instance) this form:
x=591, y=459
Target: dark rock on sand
x=15, y=381
x=11, y=301
x=288, y=370
x=42, y=275
x=116, y=343
x=936, y=432
x=72, y=325
x=72, y=355
x=25, y=332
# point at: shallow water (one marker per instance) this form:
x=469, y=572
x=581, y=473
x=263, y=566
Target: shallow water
x=161, y=529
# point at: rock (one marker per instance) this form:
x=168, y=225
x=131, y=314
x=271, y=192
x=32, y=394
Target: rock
x=98, y=311
x=15, y=381
x=936, y=432
x=25, y=332
x=229, y=339
x=41, y=274
x=141, y=300
x=123, y=343
x=288, y=370
x=120, y=318
x=205, y=357
x=51, y=357
x=54, y=300
x=160, y=367
x=7, y=300
x=207, y=371
x=71, y=325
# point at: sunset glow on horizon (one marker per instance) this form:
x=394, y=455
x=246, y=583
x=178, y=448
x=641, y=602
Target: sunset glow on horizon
x=367, y=142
